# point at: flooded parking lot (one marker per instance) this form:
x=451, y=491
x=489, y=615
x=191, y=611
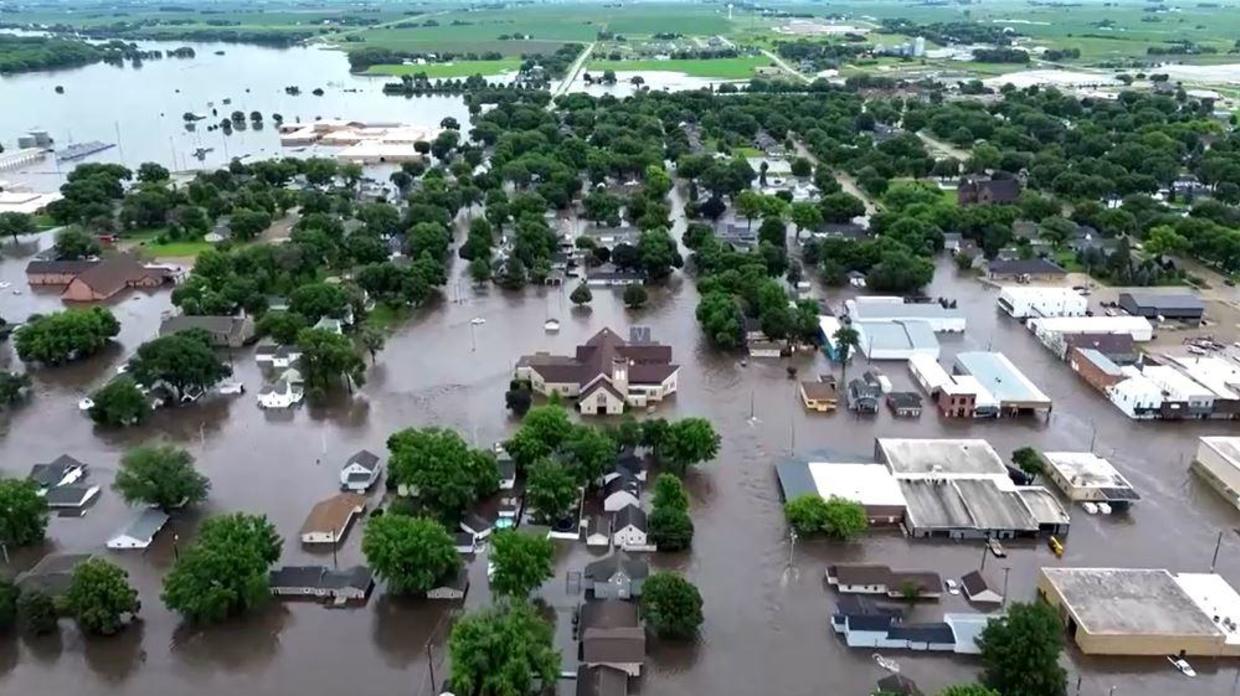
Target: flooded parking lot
x=766, y=628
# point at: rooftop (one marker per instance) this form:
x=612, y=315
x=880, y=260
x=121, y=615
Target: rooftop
x=914, y=457
x=1034, y=266
x=1085, y=470
x=881, y=335
x=868, y=484
x=1216, y=374
x=1129, y=601
x=1100, y=361
x=895, y=308
x=1094, y=325
x=1165, y=301
x=1001, y=378
x=1227, y=447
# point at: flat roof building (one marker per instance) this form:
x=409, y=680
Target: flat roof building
x=1218, y=463
x=1130, y=611
x=1023, y=301
x=895, y=340
x=909, y=458
x=1015, y=393
x=895, y=309
x=1219, y=376
x=872, y=485
x=1153, y=305
x=1086, y=477
x=1051, y=330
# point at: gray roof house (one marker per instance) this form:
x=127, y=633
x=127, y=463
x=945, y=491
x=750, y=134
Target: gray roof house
x=601, y=681
x=454, y=587
x=360, y=472
x=863, y=396
x=226, y=332
x=621, y=492
x=52, y=574
x=618, y=576
x=141, y=532
x=321, y=582
x=612, y=635
x=61, y=471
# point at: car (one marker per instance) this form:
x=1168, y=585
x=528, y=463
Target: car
x=996, y=548
x=953, y=587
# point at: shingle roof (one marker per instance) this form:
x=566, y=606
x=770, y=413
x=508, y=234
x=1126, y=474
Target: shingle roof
x=605, y=568
x=60, y=267
x=614, y=645
x=923, y=633
x=601, y=680
x=111, y=275
x=608, y=613
x=1034, y=266
x=630, y=515
x=624, y=482
x=331, y=515
x=364, y=458
x=146, y=524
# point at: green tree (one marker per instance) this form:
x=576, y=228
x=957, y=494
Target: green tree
x=522, y=562
x=750, y=205
x=60, y=337
x=669, y=492
x=591, y=453
x=581, y=295
x=480, y=270
x=690, y=441
x=245, y=224
x=542, y=432
x=653, y=435
x=100, y=597
x=119, y=402
x=635, y=297
x=316, y=300
x=1020, y=651
x=1028, y=460
x=327, y=357
x=282, y=327
x=1163, y=239
x=846, y=339
x=224, y=573
x=372, y=339
x=841, y=207
x=671, y=605
x=439, y=466
x=14, y=387
x=8, y=604
x=411, y=554
x=657, y=254
x=550, y=489
x=805, y=216
x=23, y=513
x=16, y=224
x=160, y=475
x=184, y=361
x=837, y=518
x=76, y=243
x=503, y=651
x=36, y=613
x=152, y=173
x=671, y=529
x=968, y=690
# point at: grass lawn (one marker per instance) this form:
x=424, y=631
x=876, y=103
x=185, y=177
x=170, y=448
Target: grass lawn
x=386, y=317
x=145, y=240
x=724, y=68
x=463, y=68
x=43, y=221
x=1067, y=259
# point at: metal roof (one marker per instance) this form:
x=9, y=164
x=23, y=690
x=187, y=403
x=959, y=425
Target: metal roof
x=1001, y=378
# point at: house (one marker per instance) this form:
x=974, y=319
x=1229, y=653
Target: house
x=1154, y=305
x=452, y=588
x=977, y=590
x=481, y=527
x=739, y=237
x=57, y=272
x=897, y=685
x=321, y=582
x=283, y=394
x=621, y=492
x=225, y=331
x=765, y=349
x=608, y=276
x=630, y=463
x=628, y=527
x=605, y=375
x=330, y=324
x=360, y=471
x=904, y=404
x=821, y=395
x=601, y=681
x=877, y=628
x=277, y=356
x=952, y=241
x=856, y=279
x=861, y=578
x=598, y=531
x=611, y=635
x=465, y=542
x=105, y=278
x=618, y=576
x=61, y=471
x=863, y=396
x=53, y=574
x=506, y=467
x=70, y=497
x=329, y=519
x=139, y=533
x=979, y=191
x=1036, y=268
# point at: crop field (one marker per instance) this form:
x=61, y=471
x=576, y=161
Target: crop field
x=463, y=68
x=724, y=68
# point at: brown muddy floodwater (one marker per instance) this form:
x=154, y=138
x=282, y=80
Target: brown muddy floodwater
x=766, y=629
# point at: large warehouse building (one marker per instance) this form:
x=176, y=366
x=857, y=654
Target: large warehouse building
x=1127, y=611
x=1218, y=463
x=878, y=308
x=1154, y=305
x=1024, y=301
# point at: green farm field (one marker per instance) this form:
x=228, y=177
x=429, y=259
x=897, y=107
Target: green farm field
x=725, y=68
x=463, y=68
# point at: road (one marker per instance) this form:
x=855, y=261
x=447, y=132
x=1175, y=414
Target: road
x=846, y=181
x=571, y=75
x=784, y=66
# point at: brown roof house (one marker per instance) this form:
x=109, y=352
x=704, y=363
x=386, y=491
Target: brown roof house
x=976, y=191
x=605, y=375
x=329, y=519
x=612, y=636
x=96, y=280
x=601, y=681
x=978, y=591
x=54, y=272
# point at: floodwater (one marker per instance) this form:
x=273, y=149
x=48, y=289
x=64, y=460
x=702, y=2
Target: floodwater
x=655, y=80
x=767, y=609
x=140, y=109
x=1052, y=77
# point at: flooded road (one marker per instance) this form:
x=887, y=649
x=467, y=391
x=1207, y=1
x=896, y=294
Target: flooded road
x=766, y=628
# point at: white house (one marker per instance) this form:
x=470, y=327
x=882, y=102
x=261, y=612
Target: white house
x=361, y=471
x=1023, y=301
x=70, y=497
x=629, y=529
x=139, y=533
x=621, y=492
x=282, y=394
x=329, y=324
x=329, y=519
x=477, y=525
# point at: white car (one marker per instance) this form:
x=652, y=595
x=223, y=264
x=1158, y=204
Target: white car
x=86, y=404
x=953, y=587
x=231, y=387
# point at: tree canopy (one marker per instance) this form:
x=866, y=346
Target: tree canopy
x=60, y=337
x=502, y=651
x=225, y=571
x=1020, y=651
x=522, y=563
x=100, y=598
x=437, y=466
x=671, y=605
x=410, y=554
x=23, y=512
x=184, y=361
x=160, y=475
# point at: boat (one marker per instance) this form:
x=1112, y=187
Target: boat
x=1182, y=665
x=996, y=548
x=551, y=325
x=887, y=663
x=477, y=321
x=86, y=404
x=1090, y=508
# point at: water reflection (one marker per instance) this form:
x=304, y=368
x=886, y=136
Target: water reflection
x=114, y=658
x=243, y=644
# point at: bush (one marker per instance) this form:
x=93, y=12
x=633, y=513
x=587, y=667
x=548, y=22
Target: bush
x=836, y=518
x=635, y=296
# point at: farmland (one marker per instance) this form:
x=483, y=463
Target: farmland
x=724, y=68
x=449, y=70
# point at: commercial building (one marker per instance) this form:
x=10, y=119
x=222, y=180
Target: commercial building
x=1053, y=331
x=1015, y=393
x=1129, y=611
x=1119, y=348
x=1136, y=395
x=956, y=396
x=1095, y=368
x=26, y=202
x=895, y=340
x=1157, y=305
x=1218, y=464
x=871, y=485
x=864, y=625
x=1183, y=397
x=895, y=309
x=1086, y=477
x=1024, y=301
x=1219, y=376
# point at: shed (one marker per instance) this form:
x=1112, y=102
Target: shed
x=978, y=591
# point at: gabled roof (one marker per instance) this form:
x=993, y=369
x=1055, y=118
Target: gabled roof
x=364, y=458
x=606, y=568
x=614, y=645
x=630, y=516
x=70, y=496
x=601, y=680
x=331, y=515
x=607, y=613
x=624, y=482
x=112, y=274
x=975, y=585
x=145, y=526
x=51, y=473
x=1034, y=266
x=473, y=522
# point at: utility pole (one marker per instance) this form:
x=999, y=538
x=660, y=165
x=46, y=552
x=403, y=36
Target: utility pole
x=1006, y=570
x=1217, y=544
x=430, y=662
x=984, y=550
